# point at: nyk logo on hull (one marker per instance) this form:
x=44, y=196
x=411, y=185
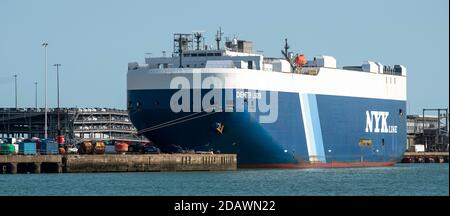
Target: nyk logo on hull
x=373, y=122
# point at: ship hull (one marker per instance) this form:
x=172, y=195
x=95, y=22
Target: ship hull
x=311, y=130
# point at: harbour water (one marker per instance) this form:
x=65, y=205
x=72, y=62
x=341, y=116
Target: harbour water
x=401, y=179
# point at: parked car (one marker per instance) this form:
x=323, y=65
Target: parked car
x=137, y=148
x=151, y=150
x=72, y=150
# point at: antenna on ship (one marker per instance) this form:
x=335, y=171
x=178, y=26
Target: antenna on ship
x=203, y=43
x=198, y=36
x=286, y=54
x=182, y=42
x=180, y=48
x=219, y=37
x=286, y=46
x=285, y=51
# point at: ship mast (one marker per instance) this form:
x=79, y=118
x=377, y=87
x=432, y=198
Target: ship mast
x=286, y=54
x=182, y=42
x=198, y=36
x=219, y=37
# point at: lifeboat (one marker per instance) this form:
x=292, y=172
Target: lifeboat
x=300, y=60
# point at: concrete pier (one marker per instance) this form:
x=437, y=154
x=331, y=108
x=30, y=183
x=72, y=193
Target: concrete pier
x=29, y=163
x=116, y=163
x=149, y=163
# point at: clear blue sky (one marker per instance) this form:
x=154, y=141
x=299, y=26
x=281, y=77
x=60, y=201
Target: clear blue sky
x=95, y=40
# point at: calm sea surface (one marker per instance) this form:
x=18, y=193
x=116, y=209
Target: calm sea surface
x=402, y=179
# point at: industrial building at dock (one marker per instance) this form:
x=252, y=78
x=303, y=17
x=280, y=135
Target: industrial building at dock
x=77, y=124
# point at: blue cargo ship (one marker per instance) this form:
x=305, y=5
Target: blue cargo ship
x=289, y=112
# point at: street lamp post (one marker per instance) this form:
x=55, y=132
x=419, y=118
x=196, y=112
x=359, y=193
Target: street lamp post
x=35, y=95
x=45, y=44
x=57, y=93
x=15, y=88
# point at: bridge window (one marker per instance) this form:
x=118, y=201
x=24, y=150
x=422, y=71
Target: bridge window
x=217, y=54
x=210, y=54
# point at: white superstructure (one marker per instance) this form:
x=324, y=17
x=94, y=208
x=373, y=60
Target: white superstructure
x=241, y=69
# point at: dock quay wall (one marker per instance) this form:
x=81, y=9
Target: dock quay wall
x=116, y=163
x=148, y=163
x=425, y=157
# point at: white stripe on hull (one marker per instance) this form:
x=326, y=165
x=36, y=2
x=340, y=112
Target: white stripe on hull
x=327, y=82
x=313, y=132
